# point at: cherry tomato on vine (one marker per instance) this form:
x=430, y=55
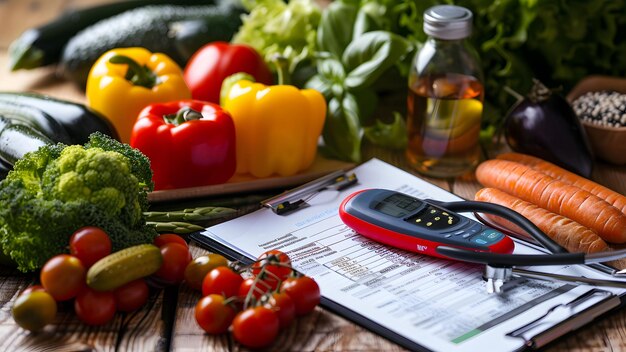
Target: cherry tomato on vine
x=273, y=272
x=260, y=288
x=175, y=260
x=213, y=315
x=93, y=307
x=33, y=288
x=222, y=281
x=198, y=268
x=304, y=292
x=131, y=296
x=160, y=240
x=282, y=304
x=90, y=244
x=32, y=311
x=256, y=327
x=63, y=276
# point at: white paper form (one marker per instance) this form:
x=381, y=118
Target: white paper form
x=439, y=304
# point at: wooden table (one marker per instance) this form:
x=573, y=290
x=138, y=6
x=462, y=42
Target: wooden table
x=166, y=322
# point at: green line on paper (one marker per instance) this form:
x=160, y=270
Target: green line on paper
x=466, y=336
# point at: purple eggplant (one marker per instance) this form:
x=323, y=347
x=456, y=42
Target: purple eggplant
x=544, y=125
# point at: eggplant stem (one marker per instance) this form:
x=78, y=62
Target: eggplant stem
x=515, y=94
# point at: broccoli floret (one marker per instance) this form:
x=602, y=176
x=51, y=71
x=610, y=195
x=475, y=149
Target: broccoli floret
x=139, y=163
x=58, y=189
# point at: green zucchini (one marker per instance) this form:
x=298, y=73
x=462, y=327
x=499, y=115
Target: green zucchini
x=38, y=119
x=4, y=171
x=17, y=139
x=147, y=27
x=76, y=119
x=191, y=35
x=43, y=45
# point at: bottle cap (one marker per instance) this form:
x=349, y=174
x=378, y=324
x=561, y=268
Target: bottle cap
x=448, y=22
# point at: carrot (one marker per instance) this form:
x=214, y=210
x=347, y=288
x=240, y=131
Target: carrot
x=566, y=232
x=556, y=196
x=612, y=197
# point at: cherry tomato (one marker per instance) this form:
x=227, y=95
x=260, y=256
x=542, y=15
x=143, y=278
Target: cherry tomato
x=33, y=288
x=304, y=292
x=32, y=311
x=198, y=268
x=259, y=289
x=160, y=240
x=213, y=315
x=284, y=308
x=63, y=276
x=131, y=296
x=93, y=307
x=273, y=272
x=90, y=244
x=175, y=260
x=256, y=327
x=222, y=281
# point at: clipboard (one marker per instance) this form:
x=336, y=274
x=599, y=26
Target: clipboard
x=561, y=310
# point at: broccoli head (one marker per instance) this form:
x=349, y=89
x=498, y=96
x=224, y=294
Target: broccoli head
x=58, y=189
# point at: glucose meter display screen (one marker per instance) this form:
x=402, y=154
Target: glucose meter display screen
x=398, y=205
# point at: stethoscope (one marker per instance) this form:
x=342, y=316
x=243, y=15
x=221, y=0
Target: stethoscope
x=433, y=228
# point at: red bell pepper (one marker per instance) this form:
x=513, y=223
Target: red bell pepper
x=212, y=63
x=189, y=143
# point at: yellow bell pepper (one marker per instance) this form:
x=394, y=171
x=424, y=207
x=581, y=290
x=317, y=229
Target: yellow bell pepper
x=124, y=81
x=276, y=127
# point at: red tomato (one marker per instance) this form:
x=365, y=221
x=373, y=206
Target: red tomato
x=273, y=272
x=33, y=288
x=90, y=244
x=213, y=315
x=93, y=307
x=212, y=63
x=198, y=268
x=175, y=260
x=221, y=281
x=256, y=327
x=260, y=288
x=284, y=308
x=63, y=276
x=160, y=240
x=131, y=296
x=304, y=292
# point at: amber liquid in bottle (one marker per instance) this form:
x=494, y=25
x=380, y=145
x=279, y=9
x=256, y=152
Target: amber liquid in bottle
x=444, y=113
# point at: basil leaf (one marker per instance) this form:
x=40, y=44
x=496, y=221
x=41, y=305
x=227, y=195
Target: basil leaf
x=371, y=17
x=370, y=55
x=393, y=135
x=342, y=132
x=335, y=29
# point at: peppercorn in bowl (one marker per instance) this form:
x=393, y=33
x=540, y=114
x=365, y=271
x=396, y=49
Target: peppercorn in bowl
x=600, y=103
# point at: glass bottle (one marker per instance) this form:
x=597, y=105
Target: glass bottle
x=445, y=101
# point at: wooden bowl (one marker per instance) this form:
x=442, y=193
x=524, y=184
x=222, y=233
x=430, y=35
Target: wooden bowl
x=608, y=143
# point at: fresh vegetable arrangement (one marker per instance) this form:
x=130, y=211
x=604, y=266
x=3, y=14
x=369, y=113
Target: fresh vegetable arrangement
x=576, y=212
x=189, y=143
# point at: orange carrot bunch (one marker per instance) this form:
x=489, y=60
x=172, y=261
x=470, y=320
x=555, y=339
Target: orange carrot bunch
x=577, y=213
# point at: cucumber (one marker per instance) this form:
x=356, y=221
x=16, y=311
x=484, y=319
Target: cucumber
x=4, y=171
x=122, y=267
x=191, y=35
x=43, y=45
x=76, y=119
x=17, y=139
x=38, y=119
x=146, y=27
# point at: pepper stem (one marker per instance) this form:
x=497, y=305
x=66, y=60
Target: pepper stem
x=137, y=74
x=183, y=115
x=282, y=69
